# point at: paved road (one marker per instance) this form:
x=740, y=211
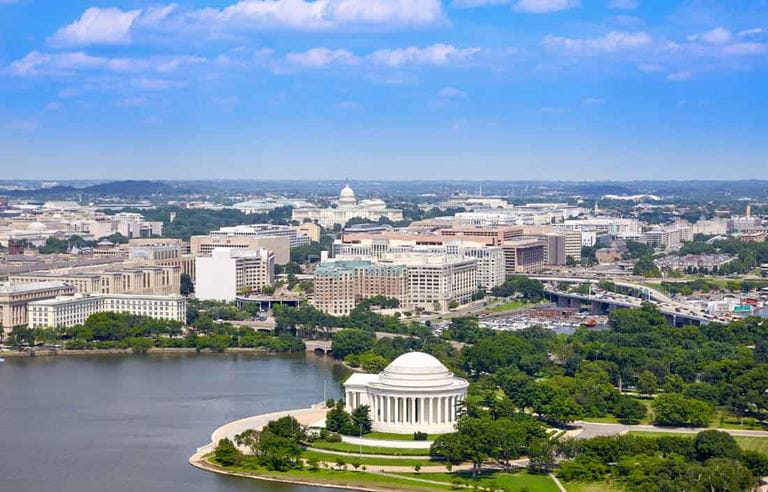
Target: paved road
x=593, y=429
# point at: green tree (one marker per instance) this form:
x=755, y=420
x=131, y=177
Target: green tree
x=449, y=447
x=647, y=383
x=676, y=409
x=756, y=462
x=278, y=453
x=338, y=419
x=541, y=456
x=187, y=285
x=361, y=419
x=716, y=444
x=372, y=363
x=226, y=453
x=673, y=383
x=20, y=336
x=351, y=341
x=646, y=267
x=629, y=409
x=721, y=474
x=287, y=427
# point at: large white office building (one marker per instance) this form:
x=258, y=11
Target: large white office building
x=415, y=393
x=229, y=271
x=490, y=259
x=66, y=311
x=295, y=237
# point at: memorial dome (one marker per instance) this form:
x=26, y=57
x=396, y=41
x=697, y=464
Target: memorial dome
x=415, y=393
x=347, y=195
x=416, y=369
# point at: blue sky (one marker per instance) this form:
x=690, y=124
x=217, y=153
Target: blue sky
x=390, y=89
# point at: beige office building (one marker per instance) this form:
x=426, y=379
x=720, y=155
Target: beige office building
x=523, y=256
x=15, y=298
x=119, y=279
x=279, y=245
x=428, y=282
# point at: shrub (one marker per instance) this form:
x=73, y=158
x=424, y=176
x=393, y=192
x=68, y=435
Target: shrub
x=333, y=437
x=420, y=436
x=583, y=469
x=226, y=453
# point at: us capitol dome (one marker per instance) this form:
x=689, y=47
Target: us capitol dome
x=415, y=393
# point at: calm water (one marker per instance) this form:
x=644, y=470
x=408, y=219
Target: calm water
x=129, y=423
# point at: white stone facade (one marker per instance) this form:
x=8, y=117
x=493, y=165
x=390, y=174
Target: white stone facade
x=66, y=311
x=415, y=393
x=228, y=271
x=347, y=208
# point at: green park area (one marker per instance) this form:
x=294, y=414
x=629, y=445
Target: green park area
x=524, y=384
x=492, y=480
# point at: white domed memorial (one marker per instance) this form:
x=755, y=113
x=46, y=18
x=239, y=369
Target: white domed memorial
x=415, y=393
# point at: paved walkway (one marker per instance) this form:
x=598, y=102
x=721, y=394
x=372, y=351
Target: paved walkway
x=305, y=416
x=593, y=429
x=386, y=443
x=351, y=454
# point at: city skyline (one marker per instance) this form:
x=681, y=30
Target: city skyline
x=423, y=89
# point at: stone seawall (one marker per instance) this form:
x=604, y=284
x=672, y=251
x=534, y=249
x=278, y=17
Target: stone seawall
x=156, y=350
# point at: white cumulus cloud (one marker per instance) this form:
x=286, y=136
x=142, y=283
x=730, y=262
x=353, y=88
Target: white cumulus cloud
x=614, y=41
x=718, y=35
x=97, y=26
x=623, y=4
x=436, y=54
x=745, y=49
x=468, y=4
x=682, y=76
x=115, y=26
x=593, y=101
x=451, y=93
x=750, y=32
x=321, y=57
x=544, y=6
x=70, y=63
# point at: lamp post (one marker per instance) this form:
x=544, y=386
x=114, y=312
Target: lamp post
x=360, y=449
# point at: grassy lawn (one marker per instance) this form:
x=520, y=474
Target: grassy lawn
x=753, y=443
x=366, y=460
x=725, y=420
x=510, y=305
x=344, y=478
x=591, y=487
x=396, y=437
x=354, y=448
x=506, y=480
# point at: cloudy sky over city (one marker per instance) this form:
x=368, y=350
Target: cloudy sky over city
x=391, y=89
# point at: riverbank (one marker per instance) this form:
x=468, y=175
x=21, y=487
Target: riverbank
x=155, y=406
x=306, y=416
x=153, y=350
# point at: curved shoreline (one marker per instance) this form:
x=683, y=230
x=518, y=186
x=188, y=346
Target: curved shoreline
x=257, y=421
x=306, y=416
x=202, y=464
